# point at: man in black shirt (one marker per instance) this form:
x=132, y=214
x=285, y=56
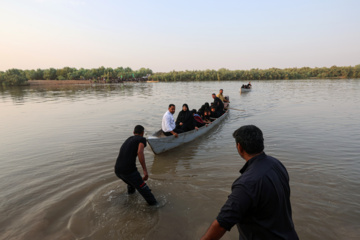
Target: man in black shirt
x=125, y=167
x=259, y=203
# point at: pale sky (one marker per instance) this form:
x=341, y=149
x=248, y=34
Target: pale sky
x=179, y=35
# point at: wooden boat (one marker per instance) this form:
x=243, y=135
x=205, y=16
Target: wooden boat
x=245, y=89
x=152, y=81
x=160, y=143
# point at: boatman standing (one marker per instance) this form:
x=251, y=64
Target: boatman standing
x=221, y=96
x=259, y=203
x=168, y=124
x=125, y=167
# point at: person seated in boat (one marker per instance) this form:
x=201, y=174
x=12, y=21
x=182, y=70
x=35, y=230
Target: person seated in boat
x=202, y=109
x=198, y=120
x=221, y=96
x=206, y=117
x=168, y=125
x=185, y=119
x=218, y=104
x=246, y=86
x=214, y=113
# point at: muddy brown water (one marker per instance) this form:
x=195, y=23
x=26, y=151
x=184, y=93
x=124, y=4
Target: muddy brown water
x=59, y=144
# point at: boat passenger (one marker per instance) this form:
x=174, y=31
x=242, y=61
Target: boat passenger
x=246, y=86
x=219, y=105
x=198, y=121
x=185, y=119
x=214, y=113
x=207, y=114
x=221, y=96
x=202, y=109
x=168, y=125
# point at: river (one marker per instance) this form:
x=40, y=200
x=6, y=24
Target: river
x=59, y=144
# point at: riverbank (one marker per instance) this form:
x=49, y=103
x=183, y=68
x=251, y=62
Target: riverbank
x=57, y=82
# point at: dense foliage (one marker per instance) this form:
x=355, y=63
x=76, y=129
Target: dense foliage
x=260, y=74
x=19, y=77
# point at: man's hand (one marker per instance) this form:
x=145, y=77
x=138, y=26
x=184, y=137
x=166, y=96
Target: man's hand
x=146, y=175
x=180, y=123
x=174, y=133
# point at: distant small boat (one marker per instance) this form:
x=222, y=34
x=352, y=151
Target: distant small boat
x=247, y=89
x=150, y=81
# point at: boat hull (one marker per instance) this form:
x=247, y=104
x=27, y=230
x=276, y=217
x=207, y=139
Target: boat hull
x=162, y=144
x=245, y=89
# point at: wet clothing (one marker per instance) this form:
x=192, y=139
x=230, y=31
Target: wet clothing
x=126, y=170
x=260, y=201
x=135, y=181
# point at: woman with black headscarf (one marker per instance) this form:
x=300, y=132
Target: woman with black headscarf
x=203, y=108
x=185, y=119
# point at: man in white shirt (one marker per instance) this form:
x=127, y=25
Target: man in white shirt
x=168, y=125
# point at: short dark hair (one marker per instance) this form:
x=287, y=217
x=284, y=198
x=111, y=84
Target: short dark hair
x=213, y=94
x=171, y=105
x=250, y=138
x=138, y=129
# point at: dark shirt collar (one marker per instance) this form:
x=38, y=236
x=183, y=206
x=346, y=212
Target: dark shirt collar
x=248, y=163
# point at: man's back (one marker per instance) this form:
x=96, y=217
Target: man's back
x=262, y=194
x=126, y=161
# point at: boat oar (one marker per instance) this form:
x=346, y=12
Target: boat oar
x=236, y=109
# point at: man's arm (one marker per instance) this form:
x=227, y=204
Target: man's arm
x=174, y=133
x=141, y=157
x=214, y=232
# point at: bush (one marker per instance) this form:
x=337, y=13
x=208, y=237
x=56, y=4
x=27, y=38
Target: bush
x=14, y=77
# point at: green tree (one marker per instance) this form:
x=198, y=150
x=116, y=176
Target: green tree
x=50, y=74
x=14, y=77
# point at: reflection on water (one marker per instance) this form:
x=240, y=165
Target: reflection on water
x=20, y=95
x=59, y=144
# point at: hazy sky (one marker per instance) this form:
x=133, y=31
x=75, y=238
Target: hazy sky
x=179, y=35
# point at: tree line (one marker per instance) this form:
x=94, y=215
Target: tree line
x=20, y=77
x=260, y=74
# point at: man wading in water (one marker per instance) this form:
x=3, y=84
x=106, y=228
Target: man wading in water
x=125, y=167
x=259, y=203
